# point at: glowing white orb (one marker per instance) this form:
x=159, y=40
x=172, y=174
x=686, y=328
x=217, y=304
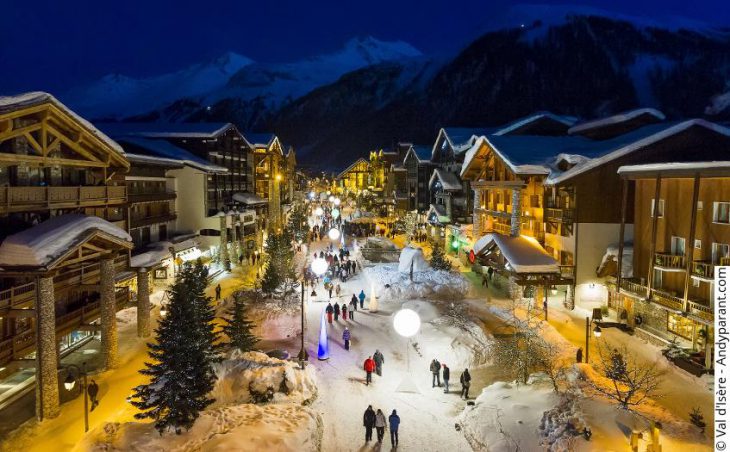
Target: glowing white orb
x=337, y=201
x=318, y=211
x=312, y=194
x=319, y=266
x=332, y=198
x=335, y=213
x=406, y=322
x=334, y=234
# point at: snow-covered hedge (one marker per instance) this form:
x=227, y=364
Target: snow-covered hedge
x=430, y=284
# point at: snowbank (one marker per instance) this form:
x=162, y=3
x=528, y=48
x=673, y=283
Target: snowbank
x=238, y=428
x=430, y=284
x=240, y=370
x=412, y=255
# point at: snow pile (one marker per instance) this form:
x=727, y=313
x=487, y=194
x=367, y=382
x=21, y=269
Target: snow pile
x=237, y=428
x=609, y=262
x=562, y=424
x=259, y=372
x=429, y=284
x=412, y=256
x=506, y=416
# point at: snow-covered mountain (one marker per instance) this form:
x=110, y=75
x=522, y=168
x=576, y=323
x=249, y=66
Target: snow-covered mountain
x=261, y=86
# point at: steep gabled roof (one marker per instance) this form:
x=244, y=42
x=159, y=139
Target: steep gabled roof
x=167, y=129
x=167, y=150
x=523, y=254
x=345, y=171
x=614, y=125
x=421, y=152
x=449, y=181
x=516, y=126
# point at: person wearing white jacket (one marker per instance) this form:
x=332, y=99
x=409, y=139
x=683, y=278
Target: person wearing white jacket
x=380, y=425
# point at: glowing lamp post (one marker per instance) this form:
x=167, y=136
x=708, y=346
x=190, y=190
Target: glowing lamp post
x=337, y=201
x=318, y=211
x=407, y=323
x=319, y=267
x=323, y=351
x=373, y=305
x=334, y=234
x=331, y=199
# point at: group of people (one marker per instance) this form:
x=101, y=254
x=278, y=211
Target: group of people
x=373, y=419
x=441, y=371
x=372, y=364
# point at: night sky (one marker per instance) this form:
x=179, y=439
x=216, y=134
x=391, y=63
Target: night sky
x=52, y=45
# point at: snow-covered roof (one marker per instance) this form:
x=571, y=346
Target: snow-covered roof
x=49, y=242
x=250, y=199
x=449, y=181
x=676, y=169
x=523, y=254
x=459, y=138
x=166, y=129
x=154, y=160
x=616, y=119
x=167, y=150
x=31, y=99
x=260, y=139
x=440, y=212
x=422, y=152
x=518, y=124
x=347, y=170
x=159, y=251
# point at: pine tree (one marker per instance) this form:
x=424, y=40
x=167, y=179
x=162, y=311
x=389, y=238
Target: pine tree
x=238, y=328
x=204, y=311
x=279, y=261
x=439, y=260
x=181, y=374
x=298, y=224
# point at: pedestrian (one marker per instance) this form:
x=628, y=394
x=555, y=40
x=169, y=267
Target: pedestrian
x=240, y=259
x=369, y=367
x=337, y=290
x=362, y=299
x=485, y=282
x=253, y=260
x=490, y=272
x=337, y=312
x=368, y=420
x=330, y=290
x=353, y=303
x=579, y=355
x=435, y=373
x=346, y=338
x=446, y=373
x=344, y=311
x=380, y=425
x=217, y=292
x=394, y=421
x=379, y=360
x=329, y=310
x=93, y=391
x=465, y=380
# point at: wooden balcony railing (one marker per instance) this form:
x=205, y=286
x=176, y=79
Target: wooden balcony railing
x=567, y=271
x=18, y=199
x=560, y=215
x=724, y=261
x=703, y=269
x=139, y=221
x=633, y=286
x=669, y=260
x=667, y=300
x=501, y=228
x=701, y=310
x=150, y=195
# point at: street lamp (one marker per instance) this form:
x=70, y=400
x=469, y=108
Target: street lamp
x=337, y=201
x=596, y=333
x=88, y=391
x=318, y=211
x=331, y=198
x=334, y=234
x=319, y=267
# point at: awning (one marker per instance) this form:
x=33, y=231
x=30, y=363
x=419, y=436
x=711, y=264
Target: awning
x=249, y=199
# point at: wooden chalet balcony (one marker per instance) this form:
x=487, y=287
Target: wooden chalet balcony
x=724, y=261
x=559, y=215
x=703, y=269
x=667, y=300
x=567, y=271
x=19, y=199
x=150, y=195
x=633, y=286
x=23, y=343
x=500, y=228
x=137, y=222
x=701, y=309
x=672, y=261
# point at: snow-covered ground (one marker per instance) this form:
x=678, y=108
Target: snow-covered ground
x=430, y=284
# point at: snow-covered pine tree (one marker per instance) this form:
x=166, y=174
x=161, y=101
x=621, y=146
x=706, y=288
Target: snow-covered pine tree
x=205, y=312
x=238, y=328
x=181, y=375
x=298, y=224
x=279, y=261
x=439, y=260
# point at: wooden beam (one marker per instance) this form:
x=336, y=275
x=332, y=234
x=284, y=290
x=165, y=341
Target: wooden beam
x=14, y=159
x=72, y=144
x=13, y=133
x=622, y=231
x=91, y=287
x=19, y=313
x=652, y=244
x=33, y=143
x=689, y=246
x=24, y=112
x=6, y=125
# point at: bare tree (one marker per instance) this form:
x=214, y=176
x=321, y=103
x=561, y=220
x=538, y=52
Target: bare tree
x=631, y=381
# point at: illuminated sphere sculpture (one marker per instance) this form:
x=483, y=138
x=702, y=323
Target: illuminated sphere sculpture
x=332, y=198
x=334, y=234
x=312, y=194
x=337, y=201
x=318, y=211
x=406, y=322
x=335, y=213
x=319, y=266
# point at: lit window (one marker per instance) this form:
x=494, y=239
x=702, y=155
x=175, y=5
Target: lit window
x=698, y=244
x=721, y=212
x=660, y=209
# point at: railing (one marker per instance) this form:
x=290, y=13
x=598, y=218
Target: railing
x=28, y=198
x=501, y=228
x=567, y=271
x=701, y=310
x=561, y=215
x=136, y=222
x=667, y=300
x=725, y=261
x=703, y=269
x=633, y=286
x=669, y=260
x=150, y=195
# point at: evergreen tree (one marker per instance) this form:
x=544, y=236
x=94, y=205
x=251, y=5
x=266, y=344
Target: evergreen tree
x=298, y=224
x=279, y=261
x=238, y=328
x=204, y=311
x=181, y=374
x=439, y=260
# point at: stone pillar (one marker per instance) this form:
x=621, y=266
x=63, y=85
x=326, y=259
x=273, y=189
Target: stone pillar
x=515, y=290
x=224, y=256
x=477, y=216
x=143, y=303
x=234, y=241
x=570, y=297
x=514, y=229
x=46, y=388
x=108, y=313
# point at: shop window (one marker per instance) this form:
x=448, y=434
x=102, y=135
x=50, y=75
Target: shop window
x=721, y=212
x=681, y=326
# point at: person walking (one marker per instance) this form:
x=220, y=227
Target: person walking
x=579, y=355
x=93, y=391
x=240, y=259
x=346, y=338
x=344, y=311
x=465, y=380
x=379, y=360
x=435, y=373
x=330, y=311
x=337, y=312
x=380, y=425
x=446, y=373
x=368, y=420
x=353, y=303
x=362, y=299
x=217, y=292
x=329, y=288
x=337, y=290
x=369, y=367
x=394, y=421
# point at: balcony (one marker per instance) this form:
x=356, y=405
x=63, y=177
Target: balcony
x=669, y=261
x=667, y=300
x=21, y=199
x=559, y=215
x=567, y=271
x=501, y=228
x=703, y=269
x=702, y=310
x=633, y=286
x=142, y=195
x=140, y=221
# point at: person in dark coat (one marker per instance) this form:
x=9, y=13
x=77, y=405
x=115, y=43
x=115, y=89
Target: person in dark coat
x=353, y=304
x=368, y=420
x=218, y=292
x=379, y=360
x=337, y=312
x=93, y=391
x=344, y=311
x=362, y=299
x=329, y=310
x=465, y=380
x=369, y=367
x=446, y=374
x=394, y=421
x=579, y=355
x=435, y=368
x=346, y=338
